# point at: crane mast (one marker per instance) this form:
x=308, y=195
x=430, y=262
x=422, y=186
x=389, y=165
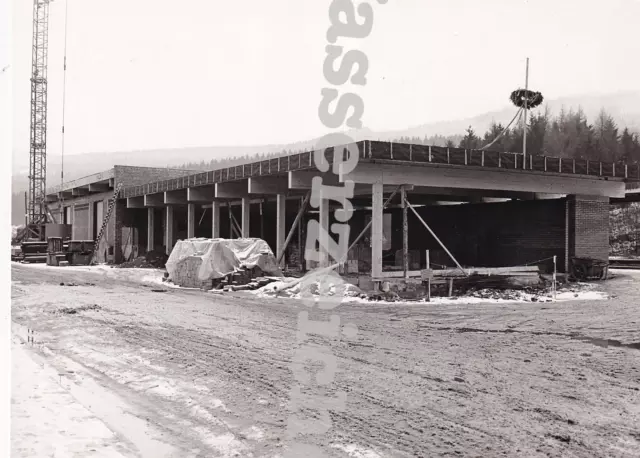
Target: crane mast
x=36, y=208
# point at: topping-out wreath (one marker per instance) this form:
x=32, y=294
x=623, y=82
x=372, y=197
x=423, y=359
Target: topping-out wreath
x=532, y=98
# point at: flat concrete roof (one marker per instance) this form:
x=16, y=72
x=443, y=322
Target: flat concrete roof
x=100, y=182
x=96, y=178
x=431, y=160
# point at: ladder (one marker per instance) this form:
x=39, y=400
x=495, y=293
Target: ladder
x=105, y=221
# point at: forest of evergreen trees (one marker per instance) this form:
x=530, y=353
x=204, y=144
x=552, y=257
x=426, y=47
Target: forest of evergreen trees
x=568, y=134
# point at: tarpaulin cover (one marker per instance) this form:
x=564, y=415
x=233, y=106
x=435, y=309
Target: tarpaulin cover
x=220, y=257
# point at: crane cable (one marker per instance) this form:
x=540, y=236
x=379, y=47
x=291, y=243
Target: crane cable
x=64, y=98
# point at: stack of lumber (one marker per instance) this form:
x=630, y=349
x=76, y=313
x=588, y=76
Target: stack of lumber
x=234, y=285
x=485, y=271
x=495, y=277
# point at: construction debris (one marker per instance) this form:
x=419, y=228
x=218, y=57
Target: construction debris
x=150, y=260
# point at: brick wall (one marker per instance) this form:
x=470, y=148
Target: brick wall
x=134, y=176
x=489, y=234
x=589, y=227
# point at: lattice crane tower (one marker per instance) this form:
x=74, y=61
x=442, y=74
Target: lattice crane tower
x=36, y=209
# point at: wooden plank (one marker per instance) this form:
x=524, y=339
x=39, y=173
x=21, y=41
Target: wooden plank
x=498, y=271
x=399, y=274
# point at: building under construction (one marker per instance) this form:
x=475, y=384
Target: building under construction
x=487, y=209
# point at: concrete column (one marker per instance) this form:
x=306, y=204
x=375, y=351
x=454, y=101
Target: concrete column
x=324, y=232
x=73, y=222
x=215, y=219
x=191, y=221
x=376, y=230
x=280, y=224
x=168, y=229
x=150, y=229
x=245, y=217
x=90, y=225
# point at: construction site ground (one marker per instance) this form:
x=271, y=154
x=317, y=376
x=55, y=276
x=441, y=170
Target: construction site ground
x=186, y=373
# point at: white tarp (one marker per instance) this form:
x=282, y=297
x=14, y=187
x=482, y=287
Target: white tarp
x=220, y=257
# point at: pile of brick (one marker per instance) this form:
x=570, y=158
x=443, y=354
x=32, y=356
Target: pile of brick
x=186, y=275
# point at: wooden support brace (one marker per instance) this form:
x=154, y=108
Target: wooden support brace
x=303, y=207
x=437, y=239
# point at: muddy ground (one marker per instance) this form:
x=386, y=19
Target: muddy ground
x=189, y=373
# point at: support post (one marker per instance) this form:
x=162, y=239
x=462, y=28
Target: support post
x=566, y=237
x=191, y=220
x=231, y=228
x=91, y=217
x=281, y=214
x=524, y=138
x=555, y=269
x=368, y=226
x=429, y=279
x=215, y=219
x=300, y=250
x=168, y=229
x=405, y=233
x=151, y=244
x=324, y=232
x=376, y=230
x=246, y=207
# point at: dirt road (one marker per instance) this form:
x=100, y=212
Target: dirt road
x=208, y=375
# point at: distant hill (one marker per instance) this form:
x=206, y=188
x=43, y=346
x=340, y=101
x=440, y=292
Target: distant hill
x=624, y=107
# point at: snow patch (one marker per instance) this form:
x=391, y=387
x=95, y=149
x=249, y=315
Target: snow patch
x=355, y=451
x=226, y=444
x=254, y=433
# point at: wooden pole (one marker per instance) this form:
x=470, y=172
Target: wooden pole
x=293, y=228
x=300, y=250
x=437, y=239
x=231, y=228
x=204, y=212
x=236, y=226
x=554, y=276
x=429, y=279
x=405, y=233
x=26, y=211
x=524, y=138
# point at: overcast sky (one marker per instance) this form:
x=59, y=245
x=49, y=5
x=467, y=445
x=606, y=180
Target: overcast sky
x=157, y=73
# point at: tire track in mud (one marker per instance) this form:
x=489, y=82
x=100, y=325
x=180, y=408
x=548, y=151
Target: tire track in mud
x=241, y=364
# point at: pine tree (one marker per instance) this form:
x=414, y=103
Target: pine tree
x=606, y=138
x=470, y=140
x=626, y=145
x=537, y=133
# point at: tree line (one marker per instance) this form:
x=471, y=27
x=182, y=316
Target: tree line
x=568, y=135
